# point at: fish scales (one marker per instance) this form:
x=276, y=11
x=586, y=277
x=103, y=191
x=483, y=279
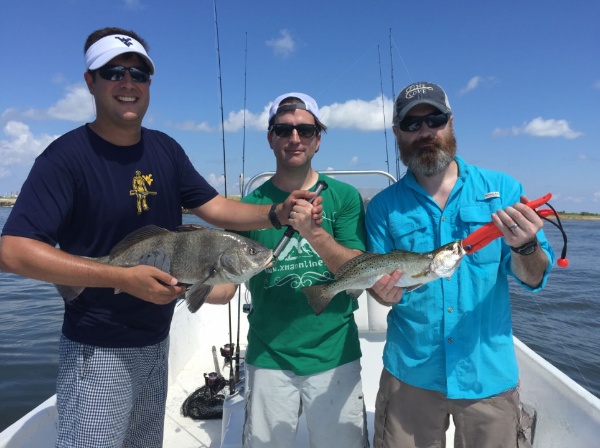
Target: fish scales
x=197, y=256
x=365, y=270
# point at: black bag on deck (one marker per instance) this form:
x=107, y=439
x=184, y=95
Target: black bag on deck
x=206, y=402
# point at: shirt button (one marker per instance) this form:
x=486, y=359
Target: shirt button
x=443, y=218
x=450, y=340
x=450, y=309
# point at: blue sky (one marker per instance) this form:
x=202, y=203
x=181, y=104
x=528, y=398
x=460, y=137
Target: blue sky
x=523, y=78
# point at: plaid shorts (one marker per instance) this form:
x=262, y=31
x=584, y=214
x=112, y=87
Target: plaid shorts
x=111, y=397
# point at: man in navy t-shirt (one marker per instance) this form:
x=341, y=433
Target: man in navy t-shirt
x=86, y=192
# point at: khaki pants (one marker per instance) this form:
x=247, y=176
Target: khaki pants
x=411, y=417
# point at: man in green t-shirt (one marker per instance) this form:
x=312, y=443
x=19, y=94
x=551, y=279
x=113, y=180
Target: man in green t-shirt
x=297, y=361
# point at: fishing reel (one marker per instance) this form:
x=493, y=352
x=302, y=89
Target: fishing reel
x=227, y=352
x=214, y=382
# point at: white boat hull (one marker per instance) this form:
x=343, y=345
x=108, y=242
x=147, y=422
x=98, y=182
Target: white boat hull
x=567, y=414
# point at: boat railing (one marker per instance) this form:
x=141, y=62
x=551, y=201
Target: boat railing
x=268, y=174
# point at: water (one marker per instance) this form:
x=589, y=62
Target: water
x=561, y=323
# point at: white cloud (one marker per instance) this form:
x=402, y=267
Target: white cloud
x=475, y=82
x=597, y=85
x=358, y=114
x=216, y=180
x=283, y=45
x=538, y=127
x=354, y=161
x=235, y=120
x=77, y=105
x=233, y=123
x=134, y=5
x=596, y=196
x=20, y=147
x=191, y=125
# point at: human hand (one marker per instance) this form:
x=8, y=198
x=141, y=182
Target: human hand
x=287, y=206
x=518, y=223
x=150, y=284
x=385, y=290
x=301, y=218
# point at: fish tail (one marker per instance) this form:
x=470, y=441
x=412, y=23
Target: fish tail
x=318, y=297
x=69, y=293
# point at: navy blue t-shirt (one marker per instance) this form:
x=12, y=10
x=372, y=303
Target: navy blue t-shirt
x=81, y=196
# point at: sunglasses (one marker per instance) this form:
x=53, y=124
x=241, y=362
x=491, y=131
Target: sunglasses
x=412, y=124
x=117, y=73
x=285, y=130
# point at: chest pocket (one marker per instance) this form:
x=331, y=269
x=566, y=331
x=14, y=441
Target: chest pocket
x=410, y=232
x=473, y=218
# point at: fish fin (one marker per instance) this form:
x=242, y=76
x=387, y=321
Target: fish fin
x=317, y=297
x=69, y=293
x=157, y=258
x=354, y=262
x=190, y=227
x=137, y=236
x=196, y=296
x=413, y=287
x=354, y=293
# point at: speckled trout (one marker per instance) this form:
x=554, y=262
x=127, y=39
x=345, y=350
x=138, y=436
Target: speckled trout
x=365, y=270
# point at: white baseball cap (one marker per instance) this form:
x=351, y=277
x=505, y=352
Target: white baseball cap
x=309, y=104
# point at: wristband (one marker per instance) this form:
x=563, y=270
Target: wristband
x=527, y=248
x=273, y=217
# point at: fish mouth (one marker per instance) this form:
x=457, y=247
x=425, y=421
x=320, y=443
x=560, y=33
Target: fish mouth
x=268, y=261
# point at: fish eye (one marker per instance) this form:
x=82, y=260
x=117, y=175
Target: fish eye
x=252, y=251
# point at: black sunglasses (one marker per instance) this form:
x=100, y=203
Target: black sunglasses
x=117, y=73
x=285, y=130
x=412, y=124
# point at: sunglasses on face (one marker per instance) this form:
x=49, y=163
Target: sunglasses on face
x=285, y=130
x=117, y=73
x=412, y=124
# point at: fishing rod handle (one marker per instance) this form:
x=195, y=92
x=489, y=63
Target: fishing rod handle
x=289, y=232
x=321, y=185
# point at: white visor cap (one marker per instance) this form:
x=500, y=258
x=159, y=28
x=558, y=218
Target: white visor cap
x=109, y=47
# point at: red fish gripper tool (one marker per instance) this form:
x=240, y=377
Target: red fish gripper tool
x=489, y=232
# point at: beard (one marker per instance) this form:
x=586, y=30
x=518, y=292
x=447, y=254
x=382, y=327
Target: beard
x=429, y=156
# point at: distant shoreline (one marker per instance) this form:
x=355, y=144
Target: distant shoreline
x=9, y=202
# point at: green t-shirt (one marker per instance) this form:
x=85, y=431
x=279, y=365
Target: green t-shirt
x=284, y=331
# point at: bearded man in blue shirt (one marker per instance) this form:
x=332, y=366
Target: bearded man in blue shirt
x=449, y=349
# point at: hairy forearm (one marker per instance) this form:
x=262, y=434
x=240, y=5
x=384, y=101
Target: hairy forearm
x=331, y=252
x=234, y=215
x=530, y=268
x=221, y=294
x=34, y=259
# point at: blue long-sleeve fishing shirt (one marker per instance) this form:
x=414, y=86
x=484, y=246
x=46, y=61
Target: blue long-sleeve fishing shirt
x=452, y=336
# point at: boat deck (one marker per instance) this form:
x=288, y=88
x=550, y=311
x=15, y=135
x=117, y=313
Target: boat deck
x=184, y=432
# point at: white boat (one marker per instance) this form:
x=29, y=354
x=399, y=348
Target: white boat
x=565, y=415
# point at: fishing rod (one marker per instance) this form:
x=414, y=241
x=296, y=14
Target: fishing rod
x=231, y=378
x=244, y=125
x=387, y=154
x=221, y=97
x=396, y=149
x=239, y=316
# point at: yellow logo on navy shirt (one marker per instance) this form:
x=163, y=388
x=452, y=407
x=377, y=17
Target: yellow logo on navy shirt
x=140, y=190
